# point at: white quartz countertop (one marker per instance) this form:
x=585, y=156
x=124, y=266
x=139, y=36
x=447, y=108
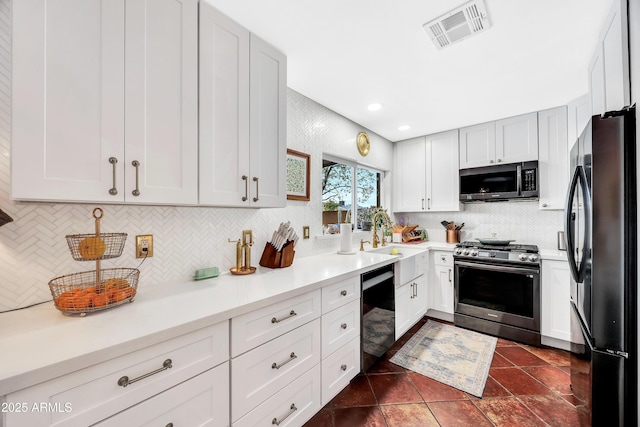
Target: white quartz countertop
x=40, y=343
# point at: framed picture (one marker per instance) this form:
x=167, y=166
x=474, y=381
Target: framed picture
x=298, y=175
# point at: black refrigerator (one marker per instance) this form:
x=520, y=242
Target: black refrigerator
x=600, y=233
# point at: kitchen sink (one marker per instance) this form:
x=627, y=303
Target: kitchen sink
x=412, y=262
x=403, y=251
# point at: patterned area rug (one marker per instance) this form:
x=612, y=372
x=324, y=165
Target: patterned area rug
x=450, y=355
x=378, y=331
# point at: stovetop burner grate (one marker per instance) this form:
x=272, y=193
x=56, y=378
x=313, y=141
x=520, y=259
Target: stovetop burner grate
x=530, y=249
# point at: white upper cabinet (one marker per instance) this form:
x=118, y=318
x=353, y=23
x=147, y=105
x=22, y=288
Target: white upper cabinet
x=242, y=116
x=510, y=140
x=553, y=161
x=427, y=174
x=98, y=86
x=609, y=68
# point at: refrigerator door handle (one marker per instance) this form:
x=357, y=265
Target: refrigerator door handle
x=568, y=229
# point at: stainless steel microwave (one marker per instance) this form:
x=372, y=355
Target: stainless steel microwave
x=500, y=182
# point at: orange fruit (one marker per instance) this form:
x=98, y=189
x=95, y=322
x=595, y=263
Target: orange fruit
x=100, y=300
x=115, y=284
x=92, y=248
x=117, y=295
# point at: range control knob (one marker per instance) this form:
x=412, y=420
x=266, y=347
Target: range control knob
x=473, y=252
x=533, y=258
x=457, y=251
x=465, y=252
x=523, y=257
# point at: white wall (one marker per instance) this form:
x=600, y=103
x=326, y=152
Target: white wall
x=33, y=248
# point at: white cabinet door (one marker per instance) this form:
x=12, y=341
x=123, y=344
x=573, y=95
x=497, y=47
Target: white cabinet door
x=410, y=172
x=555, y=305
x=161, y=101
x=517, y=139
x=442, y=289
x=596, y=81
x=403, y=308
x=224, y=109
x=553, y=161
x=578, y=115
x=242, y=116
x=419, y=300
x=88, y=101
x=443, y=175
x=615, y=50
x=67, y=99
x=427, y=173
x=268, y=138
x=477, y=145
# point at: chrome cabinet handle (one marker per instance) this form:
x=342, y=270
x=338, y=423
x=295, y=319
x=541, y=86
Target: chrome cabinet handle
x=292, y=409
x=291, y=314
x=246, y=188
x=343, y=367
x=491, y=161
x=136, y=164
x=169, y=425
x=442, y=258
x=255, y=179
x=275, y=365
x=422, y=204
x=499, y=160
x=343, y=293
x=343, y=326
x=113, y=191
x=544, y=205
x=449, y=275
x=429, y=203
x=125, y=381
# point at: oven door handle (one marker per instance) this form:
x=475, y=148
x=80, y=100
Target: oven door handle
x=503, y=268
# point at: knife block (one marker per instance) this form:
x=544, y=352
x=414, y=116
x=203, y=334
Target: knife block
x=277, y=259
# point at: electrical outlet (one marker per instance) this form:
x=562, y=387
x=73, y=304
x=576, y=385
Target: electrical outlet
x=144, y=246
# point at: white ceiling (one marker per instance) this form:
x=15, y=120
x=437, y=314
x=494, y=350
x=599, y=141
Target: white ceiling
x=346, y=54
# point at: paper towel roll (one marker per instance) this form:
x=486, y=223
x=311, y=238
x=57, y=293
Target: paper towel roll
x=345, y=237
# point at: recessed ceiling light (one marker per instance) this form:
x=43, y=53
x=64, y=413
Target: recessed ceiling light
x=374, y=107
x=404, y=127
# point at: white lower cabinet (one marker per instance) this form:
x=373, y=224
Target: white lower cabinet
x=555, y=304
x=201, y=401
x=339, y=369
x=100, y=391
x=294, y=405
x=441, y=290
x=411, y=304
x=340, y=326
x=263, y=371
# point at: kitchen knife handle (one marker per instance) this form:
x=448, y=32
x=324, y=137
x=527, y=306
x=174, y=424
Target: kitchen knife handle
x=114, y=190
x=246, y=187
x=136, y=164
x=255, y=179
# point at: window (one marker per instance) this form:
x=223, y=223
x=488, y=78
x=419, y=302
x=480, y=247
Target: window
x=347, y=188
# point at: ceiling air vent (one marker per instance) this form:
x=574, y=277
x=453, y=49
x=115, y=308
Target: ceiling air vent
x=458, y=24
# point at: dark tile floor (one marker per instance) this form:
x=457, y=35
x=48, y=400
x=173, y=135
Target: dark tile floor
x=527, y=386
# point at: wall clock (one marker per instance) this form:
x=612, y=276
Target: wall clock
x=363, y=143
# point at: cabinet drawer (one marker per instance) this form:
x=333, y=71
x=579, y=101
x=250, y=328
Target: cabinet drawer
x=338, y=294
x=340, y=368
x=340, y=326
x=203, y=400
x=94, y=393
x=262, y=372
x=257, y=327
x=443, y=258
x=292, y=406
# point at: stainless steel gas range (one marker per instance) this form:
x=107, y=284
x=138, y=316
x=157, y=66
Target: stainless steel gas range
x=497, y=290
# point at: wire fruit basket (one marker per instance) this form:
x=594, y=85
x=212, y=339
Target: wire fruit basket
x=99, y=289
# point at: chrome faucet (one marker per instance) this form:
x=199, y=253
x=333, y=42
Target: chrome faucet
x=387, y=221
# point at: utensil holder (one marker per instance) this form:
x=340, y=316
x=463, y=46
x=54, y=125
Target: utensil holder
x=272, y=258
x=453, y=236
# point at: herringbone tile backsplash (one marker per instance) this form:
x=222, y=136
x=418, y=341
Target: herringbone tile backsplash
x=33, y=249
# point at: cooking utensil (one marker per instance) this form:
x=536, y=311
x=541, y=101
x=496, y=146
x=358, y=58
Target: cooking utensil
x=445, y=224
x=493, y=241
x=459, y=227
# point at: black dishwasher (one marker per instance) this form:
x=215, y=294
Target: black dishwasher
x=378, y=314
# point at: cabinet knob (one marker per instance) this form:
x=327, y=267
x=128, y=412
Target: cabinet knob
x=343, y=326
x=544, y=205
x=343, y=367
x=491, y=161
x=343, y=293
x=499, y=160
